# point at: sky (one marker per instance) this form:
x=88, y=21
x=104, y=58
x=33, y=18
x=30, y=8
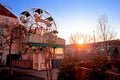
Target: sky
x=72, y=16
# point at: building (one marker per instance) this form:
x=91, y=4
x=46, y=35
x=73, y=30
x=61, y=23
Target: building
x=5, y=17
x=110, y=46
x=88, y=51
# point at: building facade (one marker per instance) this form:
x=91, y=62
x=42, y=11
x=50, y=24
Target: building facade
x=88, y=51
x=6, y=17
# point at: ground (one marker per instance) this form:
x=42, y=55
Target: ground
x=4, y=75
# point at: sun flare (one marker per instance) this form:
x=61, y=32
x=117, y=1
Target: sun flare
x=80, y=41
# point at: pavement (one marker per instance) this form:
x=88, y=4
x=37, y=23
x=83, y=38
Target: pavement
x=40, y=73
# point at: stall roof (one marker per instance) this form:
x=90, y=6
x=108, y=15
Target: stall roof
x=46, y=45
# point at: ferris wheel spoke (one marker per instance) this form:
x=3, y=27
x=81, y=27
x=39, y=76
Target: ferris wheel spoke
x=38, y=19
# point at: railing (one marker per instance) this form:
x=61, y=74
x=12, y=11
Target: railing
x=22, y=64
x=39, y=39
x=84, y=73
x=113, y=75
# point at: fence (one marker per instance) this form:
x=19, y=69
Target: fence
x=113, y=75
x=22, y=64
x=84, y=73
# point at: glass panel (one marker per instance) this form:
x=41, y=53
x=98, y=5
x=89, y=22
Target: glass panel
x=1, y=30
x=0, y=43
x=58, y=50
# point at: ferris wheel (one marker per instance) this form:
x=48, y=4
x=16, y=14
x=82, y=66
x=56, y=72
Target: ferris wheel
x=38, y=21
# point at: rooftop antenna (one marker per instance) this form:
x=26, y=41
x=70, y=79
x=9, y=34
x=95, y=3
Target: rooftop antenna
x=94, y=36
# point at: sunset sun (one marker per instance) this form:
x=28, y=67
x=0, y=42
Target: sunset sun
x=80, y=41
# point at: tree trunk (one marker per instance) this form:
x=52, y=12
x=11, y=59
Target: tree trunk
x=11, y=70
x=10, y=46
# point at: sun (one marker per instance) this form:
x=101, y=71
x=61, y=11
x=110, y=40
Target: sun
x=80, y=41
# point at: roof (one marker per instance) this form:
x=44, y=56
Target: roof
x=47, y=45
x=4, y=11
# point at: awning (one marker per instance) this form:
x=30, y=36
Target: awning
x=46, y=45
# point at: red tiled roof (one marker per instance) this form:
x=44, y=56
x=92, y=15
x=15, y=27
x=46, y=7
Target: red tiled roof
x=4, y=11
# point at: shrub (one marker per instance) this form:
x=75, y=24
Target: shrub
x=100, y=66
x=67, y=67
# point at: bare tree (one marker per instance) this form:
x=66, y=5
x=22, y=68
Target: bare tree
x=104, y=31
x=86, y=38
x=13, y=33
x=74, y=38
x=50, y=40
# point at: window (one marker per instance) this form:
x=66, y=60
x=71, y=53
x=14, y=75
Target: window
x=6, y=20
x=1, y=30
x=0, y=43
x=59, y=50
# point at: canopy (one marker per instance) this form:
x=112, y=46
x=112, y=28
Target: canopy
x=46, y=45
